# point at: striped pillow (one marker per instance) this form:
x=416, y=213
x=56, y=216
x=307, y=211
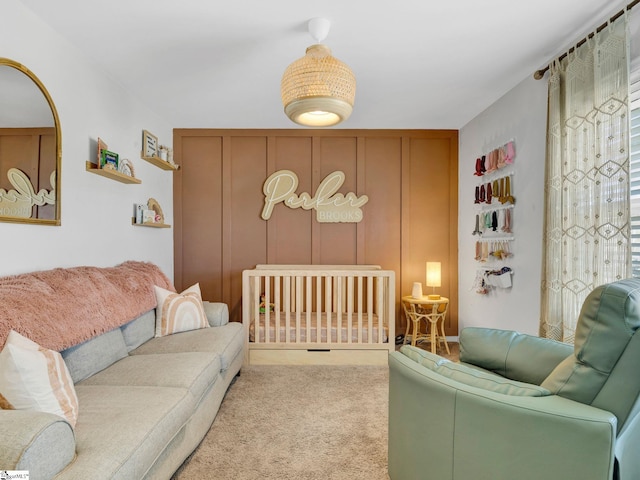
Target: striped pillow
x=35, y=378
x=179, y=312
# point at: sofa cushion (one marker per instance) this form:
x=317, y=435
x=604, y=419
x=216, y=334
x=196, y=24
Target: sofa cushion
x=122, y=430
x=227, y=341
x=95, y=355
x=217, y=313
x=195, y=371
x=139, y=330
x=179, y=312
x=472, y=377
x=37, y=379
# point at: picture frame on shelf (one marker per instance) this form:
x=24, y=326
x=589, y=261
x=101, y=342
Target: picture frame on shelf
x=109, y=160
x=149, y=144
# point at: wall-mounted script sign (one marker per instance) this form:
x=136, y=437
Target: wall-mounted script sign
x=331, y=207
x=18, y=202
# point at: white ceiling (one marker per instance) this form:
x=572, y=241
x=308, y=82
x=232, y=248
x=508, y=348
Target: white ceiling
x=418, y=63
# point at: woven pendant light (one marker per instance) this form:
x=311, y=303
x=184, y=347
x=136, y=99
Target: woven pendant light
x=318, y=90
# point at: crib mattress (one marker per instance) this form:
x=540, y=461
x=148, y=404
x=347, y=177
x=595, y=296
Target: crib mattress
x=313, y=329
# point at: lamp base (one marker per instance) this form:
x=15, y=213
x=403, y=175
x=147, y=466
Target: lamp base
x=433, y=297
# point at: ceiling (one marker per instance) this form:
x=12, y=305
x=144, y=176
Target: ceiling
x=418, y=63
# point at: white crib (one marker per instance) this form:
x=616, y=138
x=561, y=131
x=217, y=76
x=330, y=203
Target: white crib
x=320, y=314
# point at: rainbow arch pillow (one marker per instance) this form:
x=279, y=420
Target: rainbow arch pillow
x=179, y=312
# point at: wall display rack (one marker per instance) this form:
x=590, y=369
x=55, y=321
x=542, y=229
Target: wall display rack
x=111, y=173
x=109, y=164
x=493, y=227
x=149, y=215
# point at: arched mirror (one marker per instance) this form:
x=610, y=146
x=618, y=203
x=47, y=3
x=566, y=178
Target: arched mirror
x=30, y=148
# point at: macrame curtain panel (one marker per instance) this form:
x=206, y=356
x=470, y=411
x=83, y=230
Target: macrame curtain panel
x=587, y=230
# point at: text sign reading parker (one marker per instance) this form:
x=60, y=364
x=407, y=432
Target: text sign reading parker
x=331, y=207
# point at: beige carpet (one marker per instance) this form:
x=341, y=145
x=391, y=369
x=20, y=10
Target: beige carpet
x=298, y=422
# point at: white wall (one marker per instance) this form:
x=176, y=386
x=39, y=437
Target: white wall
x=518, y=115
x=96, y=212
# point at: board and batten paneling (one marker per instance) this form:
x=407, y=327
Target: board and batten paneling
x=410, y=177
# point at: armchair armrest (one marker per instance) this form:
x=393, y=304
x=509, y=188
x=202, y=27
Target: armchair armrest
x=217, y=313
x=511, y=354
x=455, y=431
x=42, y=443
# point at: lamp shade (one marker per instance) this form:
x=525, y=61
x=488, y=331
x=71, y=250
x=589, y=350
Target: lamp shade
x=434, y=276
x=318, y=90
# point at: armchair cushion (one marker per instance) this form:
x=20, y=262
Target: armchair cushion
x=601, y=371
x=471, y=376
x=511, y=354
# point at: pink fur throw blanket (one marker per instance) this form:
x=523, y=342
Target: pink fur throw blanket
x=62, y=307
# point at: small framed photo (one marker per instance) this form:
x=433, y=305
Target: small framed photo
x=109, y=160
x=149, y=144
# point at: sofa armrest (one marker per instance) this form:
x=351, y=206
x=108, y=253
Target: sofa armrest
x=40, y=442
x=441, y=426
x=217, y=313
x=514, y=355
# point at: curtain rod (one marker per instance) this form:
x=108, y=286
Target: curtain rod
x=540, y=73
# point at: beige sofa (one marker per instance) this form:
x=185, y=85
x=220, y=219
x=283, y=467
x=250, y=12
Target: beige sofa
x=145, y=403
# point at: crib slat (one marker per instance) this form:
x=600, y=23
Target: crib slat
x=338, y=301
x=267, y=309
x=359, y=309
x=298, y=306
x=287, y=308
x=309, y=307
x=370, y=308
x=327, y=306
x=256, y=307
x=380, y=307
x=318, y=308
x=350, y=308
x=276, y=298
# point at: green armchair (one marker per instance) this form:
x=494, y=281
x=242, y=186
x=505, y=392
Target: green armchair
x=519, y=407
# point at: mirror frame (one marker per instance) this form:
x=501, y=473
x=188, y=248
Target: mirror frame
x=57, y=221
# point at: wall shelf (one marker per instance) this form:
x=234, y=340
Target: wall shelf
x=160, y=163
x=112, y=174
x=149, y=224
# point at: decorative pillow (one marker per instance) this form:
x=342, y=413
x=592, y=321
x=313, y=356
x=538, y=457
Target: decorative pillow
x=35, y=378
x=179, y=312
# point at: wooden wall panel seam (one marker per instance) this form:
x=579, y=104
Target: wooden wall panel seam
x=226, y=220
x=361, y=182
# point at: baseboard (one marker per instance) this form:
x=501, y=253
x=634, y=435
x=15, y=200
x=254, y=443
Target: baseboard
x=318, y=357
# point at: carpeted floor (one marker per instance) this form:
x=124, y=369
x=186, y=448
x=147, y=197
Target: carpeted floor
x=298, y=422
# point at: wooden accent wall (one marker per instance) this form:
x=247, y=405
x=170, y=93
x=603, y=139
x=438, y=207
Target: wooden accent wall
x=410, y=177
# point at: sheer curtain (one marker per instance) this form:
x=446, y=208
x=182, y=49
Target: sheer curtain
x=587, y=219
